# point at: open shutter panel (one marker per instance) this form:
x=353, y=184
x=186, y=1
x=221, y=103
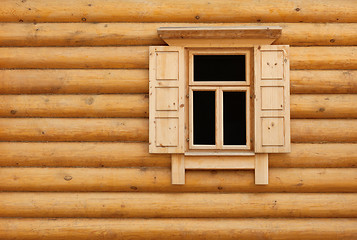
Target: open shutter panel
x=166, y=100
x=272, y=99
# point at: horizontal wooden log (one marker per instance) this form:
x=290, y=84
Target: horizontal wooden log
x=136, y=81
x=71, y=129
x=79, y=57
x=323, y=58
x=128, y=129
x=122, y=105
x=182, y=11
x=323, y=81
x=186, y=228
x=323, y=106
x=329, y=180
x=168, y=205
x=316, y=155
x=101, y=154
x=74, y=154
x=137, y=57
x=111, y=34
x=323, y=130
x=136, y=105
x=74, y=81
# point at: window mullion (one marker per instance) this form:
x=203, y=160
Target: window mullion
x=219, y=118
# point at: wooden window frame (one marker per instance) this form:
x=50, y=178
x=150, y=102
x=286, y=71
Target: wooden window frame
x=219, y=87
x=221, y=51
x=219, y=118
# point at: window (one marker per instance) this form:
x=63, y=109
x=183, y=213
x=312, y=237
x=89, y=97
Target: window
x=219, y=99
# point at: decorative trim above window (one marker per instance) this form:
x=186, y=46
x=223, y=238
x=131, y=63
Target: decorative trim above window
x=219, y=36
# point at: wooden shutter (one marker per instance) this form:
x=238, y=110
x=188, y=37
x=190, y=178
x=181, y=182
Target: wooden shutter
x=272, y=99
x=167, y=93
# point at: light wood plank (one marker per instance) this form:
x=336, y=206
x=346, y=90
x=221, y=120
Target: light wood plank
x=246, y=162
x=177, y=169
x=261, y=169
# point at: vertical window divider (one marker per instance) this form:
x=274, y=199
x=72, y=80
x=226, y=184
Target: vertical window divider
x=219, y=118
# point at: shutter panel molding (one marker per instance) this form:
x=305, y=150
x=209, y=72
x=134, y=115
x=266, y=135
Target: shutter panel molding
x=167, y=90
x=272, y=99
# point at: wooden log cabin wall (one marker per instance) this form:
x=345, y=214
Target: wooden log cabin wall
x=74, y=125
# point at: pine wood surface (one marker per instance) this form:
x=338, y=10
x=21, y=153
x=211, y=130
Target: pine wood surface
x=77, y=106
x=115, y=34
x=173, y=205
x=186, y=228
x=182, y=11
x=74, y=130
x=136, y=129
x=290, y=180
x=89, y=81
x=74, y=57
x=323, y=81
x=73, y=81
x=125, y=154
x=313, y=58
x=316, y=106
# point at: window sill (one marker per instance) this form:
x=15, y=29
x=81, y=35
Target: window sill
x=218, y=153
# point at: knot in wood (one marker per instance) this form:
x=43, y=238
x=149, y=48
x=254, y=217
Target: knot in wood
x=68, y=178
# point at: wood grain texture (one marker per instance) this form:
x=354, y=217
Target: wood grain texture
x=323, y=81
x=119, y=154
x=187, y=228
x=137, y=81
x=115, y=34
x=182, y=205
x=80, y=154
x=136, y=105
x=182, y=11
x=62, y=81
x=317, y=155
x=121, y=105
x=131, y=129
x=72, y=129
x=324, y=130
x=74, y=57
x=323, y=58
x=137, y=57
x=323, y=106
x=318, y=180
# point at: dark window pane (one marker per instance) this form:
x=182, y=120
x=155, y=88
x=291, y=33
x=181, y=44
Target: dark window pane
x=204, y=118
x=234, y=118
x=219, y=68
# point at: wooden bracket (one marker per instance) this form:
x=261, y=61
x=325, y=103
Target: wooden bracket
x=177, y=169
x=180, y=162
x=261, y=168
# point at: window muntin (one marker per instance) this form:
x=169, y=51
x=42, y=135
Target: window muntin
x=219, y=118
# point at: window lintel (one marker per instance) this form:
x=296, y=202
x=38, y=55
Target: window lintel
x=218, y=36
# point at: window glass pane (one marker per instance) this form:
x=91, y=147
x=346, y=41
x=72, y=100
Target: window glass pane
x=204, y=118
x=234, y=118
x=219, y=68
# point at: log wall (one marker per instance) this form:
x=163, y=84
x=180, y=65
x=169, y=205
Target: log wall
x=74, y=161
